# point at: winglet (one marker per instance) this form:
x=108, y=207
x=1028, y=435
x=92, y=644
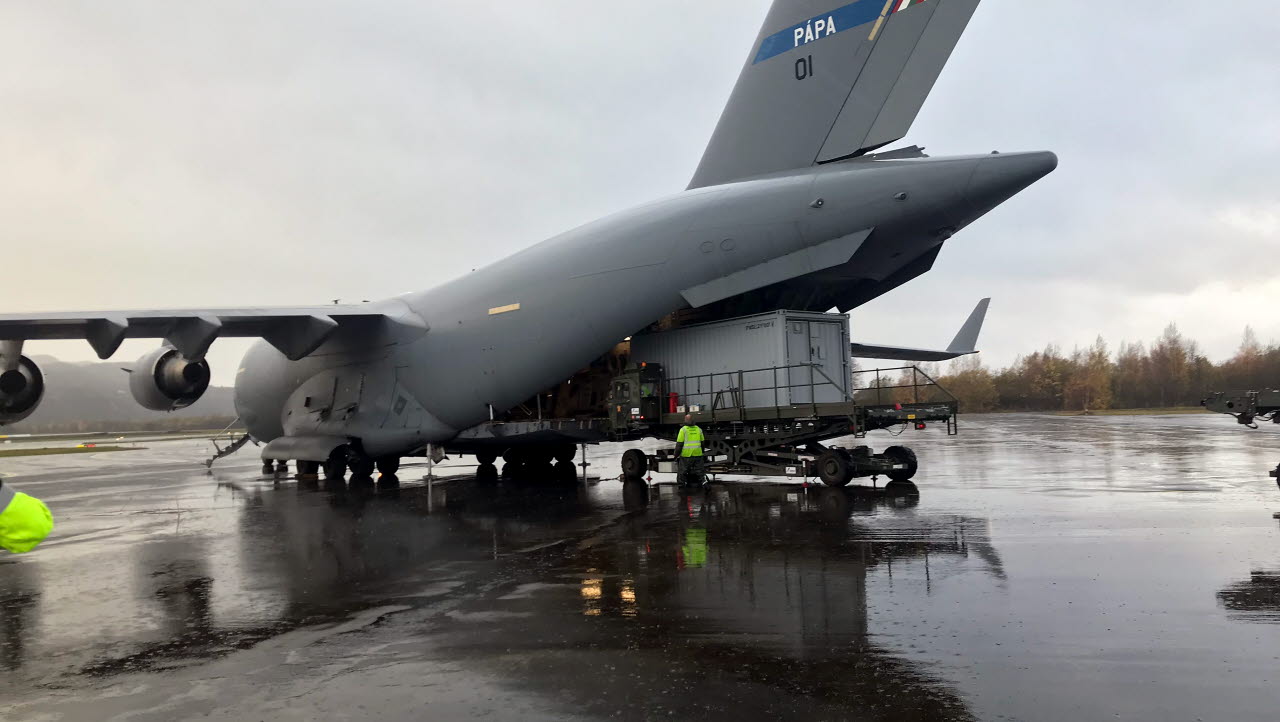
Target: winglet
x=966, y=341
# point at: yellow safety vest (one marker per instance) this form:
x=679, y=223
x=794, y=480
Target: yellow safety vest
x=691, y=437
x=24, y=521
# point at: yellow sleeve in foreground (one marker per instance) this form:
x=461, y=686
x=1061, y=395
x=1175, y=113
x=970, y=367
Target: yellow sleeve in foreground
x=24, y=523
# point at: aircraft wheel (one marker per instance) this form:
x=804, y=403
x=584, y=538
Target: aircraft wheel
x=513, y=456
x=268, y=467
x=282, y=466
x=361, y=467
x=902, y=455
x=564, y=473
x=335, y=467
x=486, y=457
x=834, y=468
x=540, y=456
x=634, y=463
x=487, y=474
x=389, y=465
x=308, y=468
x=564, y=453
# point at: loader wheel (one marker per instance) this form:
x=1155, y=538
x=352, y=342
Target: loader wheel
x=389, y=465
x=902, y=455
x=486, y=457
x=834, y=468
x=634, y=463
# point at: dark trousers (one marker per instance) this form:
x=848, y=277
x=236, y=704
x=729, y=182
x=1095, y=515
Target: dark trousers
x=693, y=471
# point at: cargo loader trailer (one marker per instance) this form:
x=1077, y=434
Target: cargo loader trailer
x=770, y=392
x=771, y=420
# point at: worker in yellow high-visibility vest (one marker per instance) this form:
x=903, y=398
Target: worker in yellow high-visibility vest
x=24, y=521
x=689, y=448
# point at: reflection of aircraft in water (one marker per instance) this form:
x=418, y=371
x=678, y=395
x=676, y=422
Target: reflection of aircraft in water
x=770, y=577
x=1256, y=599
x=329, y=552
x=174, y=581
x=19, y=611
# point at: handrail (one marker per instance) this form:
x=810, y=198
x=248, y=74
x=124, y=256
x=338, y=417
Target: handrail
x=915, y=384
x=727, y=390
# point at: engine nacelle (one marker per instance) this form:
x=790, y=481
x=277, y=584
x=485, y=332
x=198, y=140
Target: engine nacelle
x=165, y=381
x=20, y=391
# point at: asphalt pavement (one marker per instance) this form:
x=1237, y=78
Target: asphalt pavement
x=1040, y=568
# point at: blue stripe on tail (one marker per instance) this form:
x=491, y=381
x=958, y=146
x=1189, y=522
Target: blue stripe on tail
x=849, y=17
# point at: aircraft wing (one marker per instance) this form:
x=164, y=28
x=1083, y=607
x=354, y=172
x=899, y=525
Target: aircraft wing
x=965, y=343
x=295, y=331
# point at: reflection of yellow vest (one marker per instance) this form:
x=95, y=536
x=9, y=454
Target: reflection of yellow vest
x=691, y=437
x=694, y=549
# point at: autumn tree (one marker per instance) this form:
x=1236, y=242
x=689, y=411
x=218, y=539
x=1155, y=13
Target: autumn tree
x=972, y=385
x=1130, y=378
x=1089, y=386
x=1170, y=367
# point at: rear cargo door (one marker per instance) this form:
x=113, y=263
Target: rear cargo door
x=800, y=376
x=826, y=351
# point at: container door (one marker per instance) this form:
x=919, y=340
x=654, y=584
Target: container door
x=825, y=342
x=798, y=357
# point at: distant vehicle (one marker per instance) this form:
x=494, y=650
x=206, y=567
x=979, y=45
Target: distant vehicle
x=789, y=208
x=1248, y=407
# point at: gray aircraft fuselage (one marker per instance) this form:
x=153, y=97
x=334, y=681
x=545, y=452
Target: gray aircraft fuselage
x=495, y=337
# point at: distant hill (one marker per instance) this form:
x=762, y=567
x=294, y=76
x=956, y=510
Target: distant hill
x=95, y=397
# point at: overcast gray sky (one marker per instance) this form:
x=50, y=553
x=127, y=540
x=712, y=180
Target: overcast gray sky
x=158, y=154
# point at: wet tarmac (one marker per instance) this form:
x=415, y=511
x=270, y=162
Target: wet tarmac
x=1041, y=568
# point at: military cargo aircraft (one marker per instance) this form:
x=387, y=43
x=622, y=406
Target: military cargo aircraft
x=790, y=207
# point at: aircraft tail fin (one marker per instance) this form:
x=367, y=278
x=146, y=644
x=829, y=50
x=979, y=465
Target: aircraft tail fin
x=824, y=84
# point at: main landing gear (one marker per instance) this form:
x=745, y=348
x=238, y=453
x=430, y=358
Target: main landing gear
x=362, y=468
x=541, y=462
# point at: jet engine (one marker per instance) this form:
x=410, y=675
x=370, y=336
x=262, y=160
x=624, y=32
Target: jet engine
x=21, y=390
x=165, y=381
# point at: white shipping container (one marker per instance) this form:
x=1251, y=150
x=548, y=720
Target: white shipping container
x=702, y=362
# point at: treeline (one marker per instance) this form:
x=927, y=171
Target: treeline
x=166, y=423
x=1171, y=371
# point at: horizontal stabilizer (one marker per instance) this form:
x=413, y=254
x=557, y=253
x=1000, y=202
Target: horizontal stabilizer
x=965, y=343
